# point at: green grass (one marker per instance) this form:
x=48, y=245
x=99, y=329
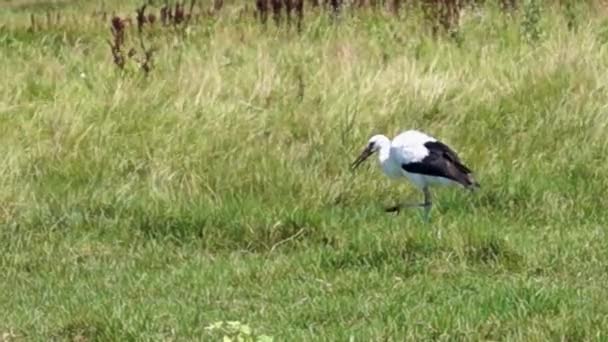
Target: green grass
x=217, y=188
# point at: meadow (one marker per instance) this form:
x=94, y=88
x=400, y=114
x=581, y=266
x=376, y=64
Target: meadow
x=213, y=185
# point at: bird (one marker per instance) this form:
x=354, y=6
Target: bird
x=422, y=159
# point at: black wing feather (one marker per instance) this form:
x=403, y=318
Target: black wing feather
x=444, y=150
x=441, y=161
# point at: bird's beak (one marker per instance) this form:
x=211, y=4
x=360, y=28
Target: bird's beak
x=366, y=153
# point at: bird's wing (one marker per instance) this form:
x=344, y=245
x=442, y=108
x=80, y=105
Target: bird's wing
x=440, y=161
x=446, y=152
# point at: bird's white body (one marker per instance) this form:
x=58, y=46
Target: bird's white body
x=405, y=148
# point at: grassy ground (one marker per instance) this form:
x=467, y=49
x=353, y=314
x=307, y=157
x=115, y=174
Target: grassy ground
x=217, y=188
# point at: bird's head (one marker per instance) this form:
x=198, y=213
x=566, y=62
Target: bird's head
x=373, y=145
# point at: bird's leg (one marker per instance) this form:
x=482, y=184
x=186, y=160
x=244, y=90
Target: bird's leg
x=427, y=197
x=427, y=202
x=426, y=205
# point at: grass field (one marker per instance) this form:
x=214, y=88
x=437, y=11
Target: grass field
x=217, y=187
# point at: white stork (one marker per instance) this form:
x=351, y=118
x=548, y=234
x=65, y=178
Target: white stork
x=421, y=158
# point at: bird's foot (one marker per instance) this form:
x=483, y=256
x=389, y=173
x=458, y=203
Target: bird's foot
x=397, y=208
x=393, y=209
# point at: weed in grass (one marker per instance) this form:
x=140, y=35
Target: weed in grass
x=262, y=10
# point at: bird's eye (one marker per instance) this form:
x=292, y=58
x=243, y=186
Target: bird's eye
x=370, y=146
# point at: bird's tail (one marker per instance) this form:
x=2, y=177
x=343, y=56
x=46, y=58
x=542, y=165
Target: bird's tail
x=465, y=177
x=472, y=183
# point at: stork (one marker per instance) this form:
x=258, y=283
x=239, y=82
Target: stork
x=422, y=159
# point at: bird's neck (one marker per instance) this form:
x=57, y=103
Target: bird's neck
x=385, y=151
